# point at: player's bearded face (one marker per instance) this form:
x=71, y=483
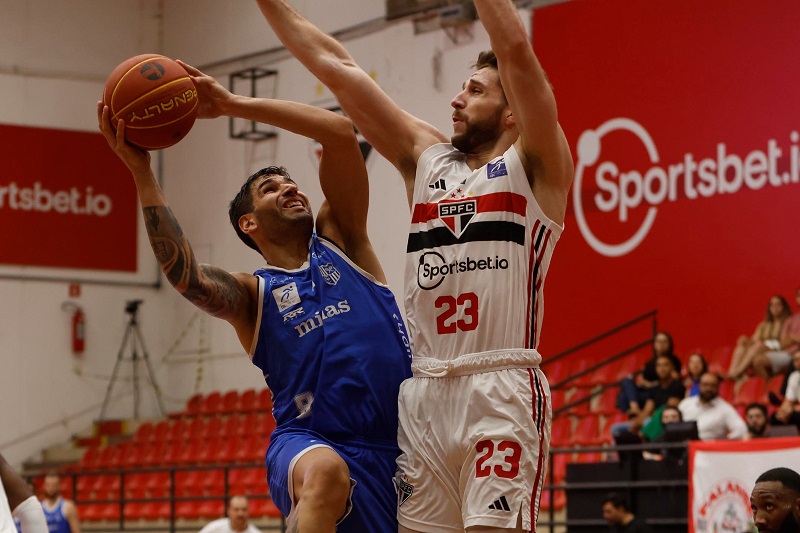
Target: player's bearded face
x=478, y=130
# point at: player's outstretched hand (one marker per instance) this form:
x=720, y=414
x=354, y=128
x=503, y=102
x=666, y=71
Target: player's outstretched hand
x=212, y=96
x=135, y=159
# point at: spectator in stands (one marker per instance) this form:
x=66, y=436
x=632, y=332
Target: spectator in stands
x=789, y=410
x=60, y=513
x=776, y=360
x=775, y=501
x=755, y=415
x=766, y=337
x=696, y=366
x=667, y=391
x=237, y=520
x=633, y=391
x=716, y=418
x=653, y=431
x=617, y=512
x=17, y=502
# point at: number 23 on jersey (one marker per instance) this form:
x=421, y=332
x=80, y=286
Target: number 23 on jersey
x=456, y=313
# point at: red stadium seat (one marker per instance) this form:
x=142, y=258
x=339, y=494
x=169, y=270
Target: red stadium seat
x=213, y=428
x=154, y=454
x=214, y=482
x=726, y=390
x=587, y=432
x=264, y=400
x=208, y=450
x=211, y=404
x=556, y=372
x=211, y=509
x=228, y=450
x=559, y=466
x=230, y=427
x=752, y=390
x=605, y=431
x=160, y=431
x=189, y=482
x=194, y=405
x=719, y=360
x=195, y=429
x=90, y=512
x=177, y=430
x=90, y=458
x=263, y=507
x=135, y=455
x=172, y=453
x=607, y=402
x=230, y=402
x=247, y=401
x=560, y=431
x=188, y=509
x=158, y=485
x=144, y=432
x=190, y=451
x=247, y=424
x=253, y=449
x=265, y=425
x=558, y=503
x=134, y=511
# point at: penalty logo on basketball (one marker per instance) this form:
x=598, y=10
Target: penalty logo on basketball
x=39, y=198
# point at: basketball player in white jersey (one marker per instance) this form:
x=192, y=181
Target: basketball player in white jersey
x=487, y=209
x=15, y=495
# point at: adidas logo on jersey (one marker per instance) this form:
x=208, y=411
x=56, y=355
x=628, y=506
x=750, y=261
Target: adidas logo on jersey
x=315, y=321
x=438, y=184
x=501, y=504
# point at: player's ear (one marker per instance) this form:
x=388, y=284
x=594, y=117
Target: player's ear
x=248, y=223
x=508, y=118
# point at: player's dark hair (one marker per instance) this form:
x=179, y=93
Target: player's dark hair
x=487, y=58
x=617, y=500
x=757, y=405
x=787, y=476
x=242, y=203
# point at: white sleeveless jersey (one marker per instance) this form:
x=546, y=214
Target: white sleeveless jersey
x=478, y=252
x=6, y=520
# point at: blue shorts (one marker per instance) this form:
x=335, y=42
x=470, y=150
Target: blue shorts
x=374, y=497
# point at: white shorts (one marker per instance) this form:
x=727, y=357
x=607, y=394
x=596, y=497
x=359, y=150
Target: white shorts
x=780, y=360
x=474, y=449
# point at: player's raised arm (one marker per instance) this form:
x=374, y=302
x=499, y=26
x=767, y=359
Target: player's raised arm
x=541, y=143
x=342, y=171
x=215, y=291
x=395, y=134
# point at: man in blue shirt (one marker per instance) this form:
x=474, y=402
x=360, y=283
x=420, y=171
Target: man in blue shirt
x=60, y=513
x=318, y=320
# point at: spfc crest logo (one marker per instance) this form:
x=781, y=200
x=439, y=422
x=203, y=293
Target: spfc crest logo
x=329, y=273
x=457, y=215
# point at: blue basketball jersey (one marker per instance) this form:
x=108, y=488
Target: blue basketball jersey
x=332, y=346
x=56, y=521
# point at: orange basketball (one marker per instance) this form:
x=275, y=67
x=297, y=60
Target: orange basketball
x=155, y=97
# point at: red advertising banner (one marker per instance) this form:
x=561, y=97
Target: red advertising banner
x=722, y=475
x=683, y=120
x=66, y=201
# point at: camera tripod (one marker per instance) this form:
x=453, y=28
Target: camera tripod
x=133, y=333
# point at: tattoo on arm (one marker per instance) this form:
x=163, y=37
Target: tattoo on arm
x=210, y=288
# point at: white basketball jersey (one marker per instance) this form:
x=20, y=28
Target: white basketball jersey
x=6, y=520
x=478, y=251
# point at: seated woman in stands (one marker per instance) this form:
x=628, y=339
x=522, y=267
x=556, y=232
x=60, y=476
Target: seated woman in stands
x=766, y=337
x=789, y=410
x=696, y=366
x=634, y=390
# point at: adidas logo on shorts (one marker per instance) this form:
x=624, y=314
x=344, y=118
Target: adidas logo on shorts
x=500, y=504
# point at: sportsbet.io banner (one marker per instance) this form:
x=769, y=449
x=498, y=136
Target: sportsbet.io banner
x=684, y=122
x=66, y=201
x=722, y=475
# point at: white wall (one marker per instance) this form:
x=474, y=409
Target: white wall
x=68, y=48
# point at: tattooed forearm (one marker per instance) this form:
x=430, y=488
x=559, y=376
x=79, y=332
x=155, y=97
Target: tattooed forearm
x=213, y=290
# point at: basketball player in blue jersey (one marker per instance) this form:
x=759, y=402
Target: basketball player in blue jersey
x=318, y=320
x=487, y=208
x=60, y=513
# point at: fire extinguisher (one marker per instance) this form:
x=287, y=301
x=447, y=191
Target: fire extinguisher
x=78, y=331
x=78, y=327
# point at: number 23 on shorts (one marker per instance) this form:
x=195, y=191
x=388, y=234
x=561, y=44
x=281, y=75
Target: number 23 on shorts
x=465, y=304
x=502, y=458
